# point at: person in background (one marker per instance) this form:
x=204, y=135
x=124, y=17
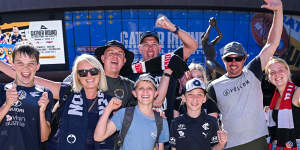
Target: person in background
x=284, y=110
x=16, y=36
x=238, y=93
x=24, y=106
x=196, y=130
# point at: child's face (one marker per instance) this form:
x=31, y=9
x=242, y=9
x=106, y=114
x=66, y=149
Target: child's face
x=194, y=99
x=25, y=67
x=145, y=92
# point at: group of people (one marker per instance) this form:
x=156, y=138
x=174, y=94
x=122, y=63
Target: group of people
x=106, y=93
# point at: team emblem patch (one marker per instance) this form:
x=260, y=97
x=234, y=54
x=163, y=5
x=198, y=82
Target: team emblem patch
x=22, y=94
x=71, y=138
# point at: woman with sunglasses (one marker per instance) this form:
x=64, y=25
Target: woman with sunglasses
x=284, y=110
x=81, y=108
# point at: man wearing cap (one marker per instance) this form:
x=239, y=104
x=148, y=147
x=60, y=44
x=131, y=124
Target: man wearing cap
x=142, y=132
x=150, y=48
x=116, y=60
x=196, y=130
x=238, y=93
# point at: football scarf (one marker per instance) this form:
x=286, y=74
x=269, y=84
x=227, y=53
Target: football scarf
x=285, y=123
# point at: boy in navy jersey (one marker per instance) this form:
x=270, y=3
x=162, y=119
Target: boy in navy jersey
x=196, y=130
x=24, y=115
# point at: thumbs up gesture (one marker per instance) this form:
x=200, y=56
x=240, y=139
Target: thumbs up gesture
x=11, y=95
x=43, y=102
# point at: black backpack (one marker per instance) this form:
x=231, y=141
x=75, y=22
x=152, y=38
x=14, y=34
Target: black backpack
x=128, y=116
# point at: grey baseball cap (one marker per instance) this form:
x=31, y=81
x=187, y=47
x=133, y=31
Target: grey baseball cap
x=234, y=48
x=145, y=77
x=194, y=83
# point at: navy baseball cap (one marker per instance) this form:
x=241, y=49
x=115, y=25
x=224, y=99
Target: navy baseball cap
x=147, y=34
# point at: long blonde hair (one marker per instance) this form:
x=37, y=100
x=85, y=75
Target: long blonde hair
x=77, y=86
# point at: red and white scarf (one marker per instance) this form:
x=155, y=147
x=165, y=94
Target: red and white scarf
x=285, y=115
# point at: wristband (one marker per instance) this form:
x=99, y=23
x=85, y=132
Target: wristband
x=177, y=29
x=167, y=74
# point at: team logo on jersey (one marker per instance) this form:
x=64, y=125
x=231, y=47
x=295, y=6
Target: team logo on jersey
x=34, y=94
x=172, y=140
x=71, y=138
x=181, y=134
x=22, y=94
x=214, y=139
x=181, y=127
x=17, y=103
x=205, y=126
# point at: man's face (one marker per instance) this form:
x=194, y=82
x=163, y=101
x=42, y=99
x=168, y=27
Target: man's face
x=145, y=92
x=15, y=30
x=113, y=59
x=25, y=67
x=194, y=99
x=150, y=48
x=235, y=65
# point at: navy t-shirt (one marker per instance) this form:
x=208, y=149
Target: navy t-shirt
x=20, y=128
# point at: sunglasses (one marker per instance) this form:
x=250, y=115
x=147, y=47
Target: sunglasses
x=84, y=72
x=230, y=59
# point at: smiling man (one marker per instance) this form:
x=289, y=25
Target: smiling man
x=238, y=93
x=116, y=60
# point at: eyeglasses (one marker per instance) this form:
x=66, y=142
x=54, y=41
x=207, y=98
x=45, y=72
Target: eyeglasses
x=84, y=72
x=230, y=59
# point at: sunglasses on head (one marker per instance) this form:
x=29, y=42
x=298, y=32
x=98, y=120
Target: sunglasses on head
x=84, y=72
x=230, y=59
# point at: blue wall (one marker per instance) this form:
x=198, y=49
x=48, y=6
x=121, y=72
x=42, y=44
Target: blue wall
x=86, y=30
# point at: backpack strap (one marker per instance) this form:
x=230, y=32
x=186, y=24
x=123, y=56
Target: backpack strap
x=128, y=116
x=159, y=124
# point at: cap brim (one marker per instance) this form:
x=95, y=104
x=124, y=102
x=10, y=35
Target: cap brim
x=234, y=53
